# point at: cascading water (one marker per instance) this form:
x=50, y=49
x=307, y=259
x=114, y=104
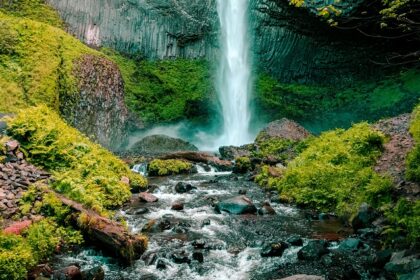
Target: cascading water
x=233, y=83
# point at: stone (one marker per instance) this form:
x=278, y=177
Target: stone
x=283, y=129
x=198, y=256
x=68, y=273
x=12, y=145
x=160, y=264
x=364, y=217
x=266, y=209
x=274, y=249
x=141, y=211
x=147, y=197
x=303, y=277
x=295, y=241
x=403, y=262
x=180, y=257
x=161, y=144
x=125, y=180
x=206, y=222
x=177, y=206
x=17, y=227
x=237, y=205
x=350, y=244
x=233, y=152
x=95, y=273
x=181, y=187
x=313, y=250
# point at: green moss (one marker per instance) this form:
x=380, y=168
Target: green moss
x=334, y=173
x=166, y=90
x=40, y=241
x=160, y=167
x=242, y=165
x=36, y=63
x=413, y=159
x=321, y=107
x=83, y=171
x=36, y=10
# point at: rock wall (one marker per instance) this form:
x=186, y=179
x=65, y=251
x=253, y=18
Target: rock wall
x=98, y=109
x=289, y=43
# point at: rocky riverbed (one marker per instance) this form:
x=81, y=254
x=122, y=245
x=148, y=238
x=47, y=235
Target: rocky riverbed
x=192, y=235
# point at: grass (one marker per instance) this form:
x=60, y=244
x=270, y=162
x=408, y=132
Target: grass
x=413, y=159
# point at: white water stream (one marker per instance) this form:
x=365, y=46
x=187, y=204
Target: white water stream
x=234, y=79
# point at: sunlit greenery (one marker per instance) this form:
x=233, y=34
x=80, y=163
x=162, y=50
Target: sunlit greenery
x=168, y=167
x=413, y=160
x=83, y=171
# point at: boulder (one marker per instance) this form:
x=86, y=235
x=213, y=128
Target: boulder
x=350, y=244
x=313, y=250
x=180, y=257
x=303, y=277
x=295, y=240
x=95, y=273
x=147, y=197
x=200, y=157
x=284, y=129
x=266, y=209
x=364, y=217
x=181, y=187
x=177, y=206
x=161, y=144
x=274, y=249
x=232, y=152
x=403, y=262
x=237, y=205
x=71, y=272
x=198, y=256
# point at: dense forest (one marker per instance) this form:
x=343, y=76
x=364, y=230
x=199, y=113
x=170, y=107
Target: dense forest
x=209, y=139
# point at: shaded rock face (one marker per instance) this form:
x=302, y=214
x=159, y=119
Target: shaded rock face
x=161, y=144
x=237, y=205
x=98, y=110
x=157, y=29
x=289, y=43
x=284, y=129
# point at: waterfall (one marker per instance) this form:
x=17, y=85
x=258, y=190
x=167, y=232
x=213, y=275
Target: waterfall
x=233, y=83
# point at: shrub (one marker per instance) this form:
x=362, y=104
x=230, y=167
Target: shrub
x=334, y=172
x=83, y=171
x=15, y=257
x=413, y=159
x=160, y=167
x=242, y=165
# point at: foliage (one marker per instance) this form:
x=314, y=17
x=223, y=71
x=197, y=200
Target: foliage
x=413, y=159
x=334, y=172
x=36, y=63
x=404, y=219
x=166, y=90
x=40, y=241
x=36, y=10
x=242, y=165
x=168, y=167
x=325, y=107
x=83, y=171
x=277, y=148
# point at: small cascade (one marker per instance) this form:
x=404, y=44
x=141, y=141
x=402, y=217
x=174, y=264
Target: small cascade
x=140, y=168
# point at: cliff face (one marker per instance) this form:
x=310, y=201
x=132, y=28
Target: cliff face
x=286, y=44
x=155, y=28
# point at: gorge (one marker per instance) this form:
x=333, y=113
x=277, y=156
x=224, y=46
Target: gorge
x=211, y=139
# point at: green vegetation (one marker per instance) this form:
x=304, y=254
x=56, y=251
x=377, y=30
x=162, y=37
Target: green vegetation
x=166, y=90
x=413, y=159
x=160, y=167
x=334, y=173
x=36, y=63
x=325, y=107
x=242, y=165
x=37, y=243
x=83, y=171
x=32, y=9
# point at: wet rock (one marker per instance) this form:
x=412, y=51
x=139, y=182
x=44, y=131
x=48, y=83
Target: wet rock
x=161, y=144
x=178, y=206
x=381, y=258
x=350, y=244
x=266, y=209
x=364, y=217
x=95, y=273
x=274, y=249
x=283, y=129
x=160, y=264
x=182, y=227
x=141, y=211
x=149, y=276
x=68, y=273
x=183, y=187
x=233, y=152
x=199, y=243
x=237, y=205
x=180, y=257
x=206, y=222
x=198, y=256
x=303, y=277
x=12, y=145
x=313, y=250
x=295, y=241
x=147, y=197
x=242, y=192
x=403, y=262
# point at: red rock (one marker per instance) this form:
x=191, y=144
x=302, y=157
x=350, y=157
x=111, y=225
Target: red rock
x=147, y=197
x=177, y=206
x=12, y=145
x=17, y=227
x=125, y=180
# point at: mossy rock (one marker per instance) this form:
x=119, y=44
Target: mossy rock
x=242, y=165
x=160, y=144
x=160, y=167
